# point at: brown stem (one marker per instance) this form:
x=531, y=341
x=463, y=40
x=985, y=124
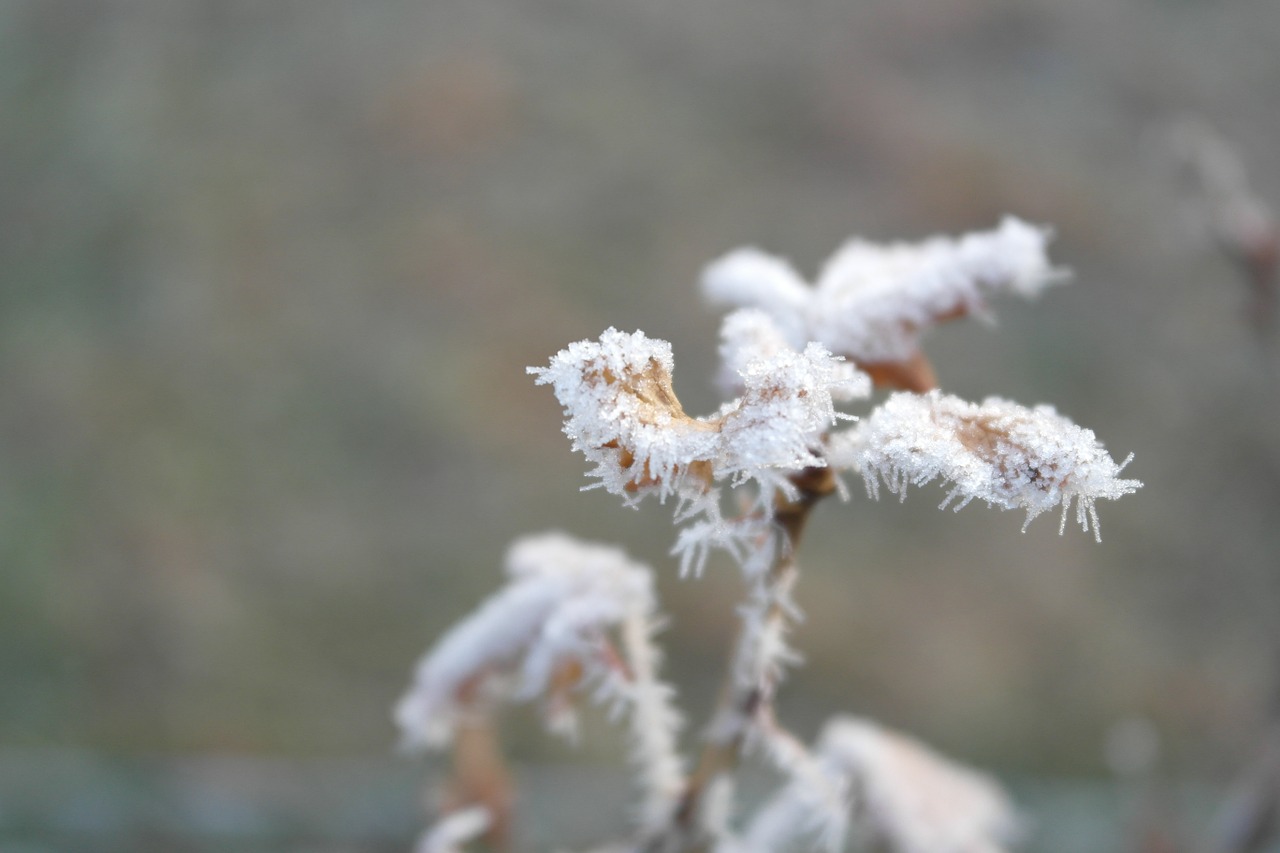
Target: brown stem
x=914, y=373
x=720, y=756
x=481, y=778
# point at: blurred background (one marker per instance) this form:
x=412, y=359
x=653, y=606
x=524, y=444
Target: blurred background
x=271, y=277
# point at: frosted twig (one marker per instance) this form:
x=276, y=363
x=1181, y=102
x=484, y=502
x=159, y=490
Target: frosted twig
x=539, y=636
x=756, y=665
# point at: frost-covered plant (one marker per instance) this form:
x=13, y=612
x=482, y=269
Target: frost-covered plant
x=546, y=635
x=539, y=637
x=577, y=616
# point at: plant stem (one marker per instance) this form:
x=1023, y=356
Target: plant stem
x=480, y=778
x=741, y=703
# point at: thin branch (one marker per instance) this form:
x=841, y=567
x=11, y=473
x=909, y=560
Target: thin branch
x=480, y=777
x=742, y=700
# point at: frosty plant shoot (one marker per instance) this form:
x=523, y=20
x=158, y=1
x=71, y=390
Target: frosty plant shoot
x=578, y=617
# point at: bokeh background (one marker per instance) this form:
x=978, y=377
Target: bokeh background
x=271, y=277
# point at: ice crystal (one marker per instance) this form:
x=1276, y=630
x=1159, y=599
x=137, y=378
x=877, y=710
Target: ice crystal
x=786, y=406
x=543, y=631
x=750, y=539
x=871, y=302
x=1008, y=455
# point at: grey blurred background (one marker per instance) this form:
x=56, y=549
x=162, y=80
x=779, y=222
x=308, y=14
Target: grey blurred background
x=271, y=276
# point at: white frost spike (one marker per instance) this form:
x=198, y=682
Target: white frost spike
x=763, y=654
x=871, y=302
x=454, y=830
x=655, y=724
x=907, y=797
x=561, y=597
x=622, y=413
x=998, y=452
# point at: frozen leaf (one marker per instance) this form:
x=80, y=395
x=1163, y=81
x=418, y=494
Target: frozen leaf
x=622, y=414
x=1008, y=455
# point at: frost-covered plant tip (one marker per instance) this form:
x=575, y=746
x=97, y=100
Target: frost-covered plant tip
x=580, y=618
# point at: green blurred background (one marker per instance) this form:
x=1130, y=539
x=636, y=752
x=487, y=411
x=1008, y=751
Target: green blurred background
x=271, y=276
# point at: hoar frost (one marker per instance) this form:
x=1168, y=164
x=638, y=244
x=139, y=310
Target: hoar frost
x=623, y=415
x=999, y=452
x=546, y=634
x=547, y=625
x=872, y=302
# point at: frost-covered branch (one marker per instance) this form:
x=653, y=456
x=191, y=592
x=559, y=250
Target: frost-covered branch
x=624, y=417
x=542, y=635
x=745, y=710
x=545, y=635
x=823, y=796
